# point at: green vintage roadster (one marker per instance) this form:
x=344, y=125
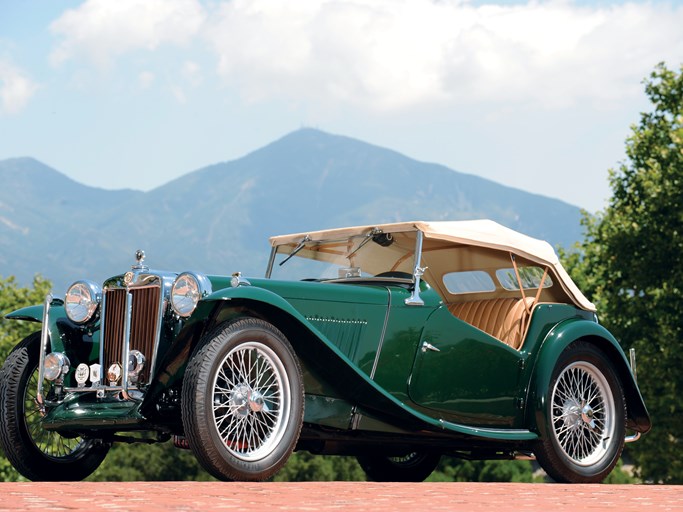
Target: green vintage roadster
x=395, y=343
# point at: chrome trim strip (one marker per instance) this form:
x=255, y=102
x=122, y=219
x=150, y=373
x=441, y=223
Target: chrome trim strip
x=44, y=339
x=126, y=344
x=271, y=262
x=101, y=389
x=103, y=334
x=415, y=299
x=157, y=333
x=381, y=339
x=632, y=361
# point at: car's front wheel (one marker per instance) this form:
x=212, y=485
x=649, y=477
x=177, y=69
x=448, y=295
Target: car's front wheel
x=38, y=454
x=585, y=417
x=412, y=467
x=242, y=401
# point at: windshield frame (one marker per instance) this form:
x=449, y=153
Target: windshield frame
x=399, y=268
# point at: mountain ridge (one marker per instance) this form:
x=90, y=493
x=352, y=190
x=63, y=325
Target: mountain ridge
x=217, y=218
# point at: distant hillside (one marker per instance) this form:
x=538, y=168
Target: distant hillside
x=217, y=219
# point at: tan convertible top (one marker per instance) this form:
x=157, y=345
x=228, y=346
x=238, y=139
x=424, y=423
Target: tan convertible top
x=482, y=233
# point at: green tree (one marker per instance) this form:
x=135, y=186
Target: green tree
x=12, y=297
x=459, y=470
x=156, y=462
x=304, y=467
x=631, y=265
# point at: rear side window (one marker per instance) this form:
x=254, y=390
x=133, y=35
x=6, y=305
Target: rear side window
x=530, y=276
x=472, y=281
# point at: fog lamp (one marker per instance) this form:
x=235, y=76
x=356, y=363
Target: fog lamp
x=56, y=364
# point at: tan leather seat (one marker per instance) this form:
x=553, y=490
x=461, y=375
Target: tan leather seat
x=505, y=319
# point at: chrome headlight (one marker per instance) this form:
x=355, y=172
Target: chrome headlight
x=186, y=292
x=81, y=301
x=56, y=364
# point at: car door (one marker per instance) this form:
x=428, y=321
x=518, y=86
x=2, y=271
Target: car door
x=466, y=375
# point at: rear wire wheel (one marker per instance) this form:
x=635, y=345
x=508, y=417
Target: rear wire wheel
x=242, y=401
x=39, y=454
x=585, y=417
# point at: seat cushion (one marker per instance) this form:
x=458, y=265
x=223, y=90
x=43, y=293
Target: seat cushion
x=504, y=319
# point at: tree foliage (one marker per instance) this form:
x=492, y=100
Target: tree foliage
x=12, y=297
x=156, y=462
x=631, y=264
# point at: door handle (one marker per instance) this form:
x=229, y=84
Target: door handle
x=428, y=346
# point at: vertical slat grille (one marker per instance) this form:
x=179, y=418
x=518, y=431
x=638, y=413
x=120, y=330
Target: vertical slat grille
x=143, y=325
x=114, y=322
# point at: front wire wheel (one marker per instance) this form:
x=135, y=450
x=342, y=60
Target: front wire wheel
x=251, y=400
x=38, y=454
x=243, y=401
x=586, y=417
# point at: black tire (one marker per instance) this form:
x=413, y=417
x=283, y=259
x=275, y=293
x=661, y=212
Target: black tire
x=585, y=411
x=243, y=401
x=412, y=467
x=39, y=454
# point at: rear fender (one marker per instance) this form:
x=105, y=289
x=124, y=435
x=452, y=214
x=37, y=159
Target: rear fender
x=557, y=340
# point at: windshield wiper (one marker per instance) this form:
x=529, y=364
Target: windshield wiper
x=368, y=237
x=296, y=250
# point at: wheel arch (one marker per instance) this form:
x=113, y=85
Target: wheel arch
x=561, y=337
x=316, y=353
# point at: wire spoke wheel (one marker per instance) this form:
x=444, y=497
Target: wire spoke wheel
x=243, y=401
x=51, y=444
x=585, y=417
x=583, y=413
x=251, y=400
x=39, y=454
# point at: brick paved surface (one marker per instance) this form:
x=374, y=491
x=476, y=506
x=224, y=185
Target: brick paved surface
x=267, y=497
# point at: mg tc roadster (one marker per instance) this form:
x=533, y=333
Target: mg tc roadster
x=395, y=343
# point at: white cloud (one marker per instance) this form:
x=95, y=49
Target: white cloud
x=146, y=79
x=192, y=73
x=101, y=30
x=16, y=89
x=389, y=54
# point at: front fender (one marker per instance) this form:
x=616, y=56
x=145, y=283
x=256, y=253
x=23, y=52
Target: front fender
x=29, y=313
x=59, y=325
x=61, y=330
x=253, y=293
x=557, y=340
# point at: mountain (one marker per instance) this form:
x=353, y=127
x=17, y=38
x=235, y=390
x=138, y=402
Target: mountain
x=217, y=219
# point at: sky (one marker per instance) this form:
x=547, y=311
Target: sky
x=536, y=94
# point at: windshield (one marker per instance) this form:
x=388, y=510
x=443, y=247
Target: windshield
x=375, y=254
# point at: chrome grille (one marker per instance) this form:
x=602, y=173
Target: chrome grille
x=144, y=319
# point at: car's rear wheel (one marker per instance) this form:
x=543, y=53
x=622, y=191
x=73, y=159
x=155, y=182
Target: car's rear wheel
x=585, y=417
x=411, y=467
x=243, y=401
x=38, y=454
